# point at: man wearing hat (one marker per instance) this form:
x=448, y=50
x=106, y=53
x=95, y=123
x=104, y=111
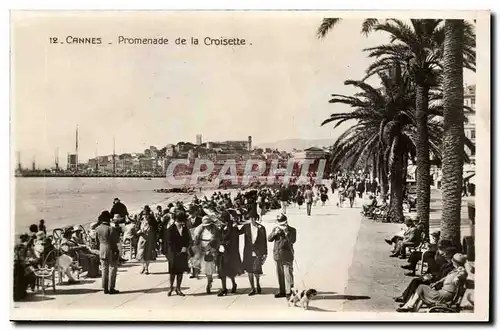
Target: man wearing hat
x=108, y=237
x=118, y=208
x=284, y=236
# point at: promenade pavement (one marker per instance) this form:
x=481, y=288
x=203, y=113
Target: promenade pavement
x=339, y=253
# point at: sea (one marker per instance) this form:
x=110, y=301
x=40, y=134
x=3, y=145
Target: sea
x=64, y=201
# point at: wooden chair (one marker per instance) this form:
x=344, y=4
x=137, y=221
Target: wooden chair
x=44, y=274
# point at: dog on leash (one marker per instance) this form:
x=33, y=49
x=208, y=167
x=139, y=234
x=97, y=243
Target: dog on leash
x=302, y=297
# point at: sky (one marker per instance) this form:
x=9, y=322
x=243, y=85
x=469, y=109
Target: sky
x=275, y=87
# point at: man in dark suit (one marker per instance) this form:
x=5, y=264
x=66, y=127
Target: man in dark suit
x=284, y=236
x=108, y=252
x=284, y=196
x=119, y=208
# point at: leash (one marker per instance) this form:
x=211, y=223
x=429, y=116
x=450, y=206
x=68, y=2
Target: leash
x=294, y=260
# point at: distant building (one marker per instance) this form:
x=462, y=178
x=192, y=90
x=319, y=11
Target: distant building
x=199, y=140
x=72, y=162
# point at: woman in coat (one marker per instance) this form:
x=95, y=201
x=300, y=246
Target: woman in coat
x=207, y=239
x=178, y=242
x=229, y=263
x=146, y=244
x=254, y=252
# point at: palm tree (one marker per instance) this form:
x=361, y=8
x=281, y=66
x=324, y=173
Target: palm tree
x=382, y=134
x=418, y=47
x=453, y=135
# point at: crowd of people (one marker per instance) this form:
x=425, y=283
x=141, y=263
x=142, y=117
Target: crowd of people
x=202, y=237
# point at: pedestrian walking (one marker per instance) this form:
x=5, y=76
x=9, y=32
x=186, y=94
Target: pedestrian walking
x=146, y=244
x=108, y=237
x=178, y=241
x=229, y=264
x=309, y=196
x=284, y=197
x=283, y=236
x=254, y=252
x=207, y=238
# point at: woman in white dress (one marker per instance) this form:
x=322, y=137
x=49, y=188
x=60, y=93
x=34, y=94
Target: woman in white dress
x=207, y=241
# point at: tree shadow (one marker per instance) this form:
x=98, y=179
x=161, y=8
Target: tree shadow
x=70, y=291
x=159, y=273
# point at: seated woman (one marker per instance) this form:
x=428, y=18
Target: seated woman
x=431, y=294
x=88, y=259
x=24, y=276
x=441, y=267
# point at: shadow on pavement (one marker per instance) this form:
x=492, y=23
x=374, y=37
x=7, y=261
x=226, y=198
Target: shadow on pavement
x=341, y=297
x=82, y=281
x=75, y=291
x=35, y=297
x=151, y=290
x=265, y=290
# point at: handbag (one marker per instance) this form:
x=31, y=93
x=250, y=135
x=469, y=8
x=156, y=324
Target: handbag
x=209, y=257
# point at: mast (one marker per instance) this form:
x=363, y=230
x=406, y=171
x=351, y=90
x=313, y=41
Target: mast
x=19, y=167
x=57, y=158
x=33, y=165
x=76, y=150
x=114, y=156
x=96, y=157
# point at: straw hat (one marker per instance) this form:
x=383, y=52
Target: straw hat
x=459, y=259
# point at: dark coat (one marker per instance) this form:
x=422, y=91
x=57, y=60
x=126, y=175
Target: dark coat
x=284, y=194
x=120, y=209
x=177, y=261
x=109, y=238
x=260, y=246
x=283, y=244
x=230, y=263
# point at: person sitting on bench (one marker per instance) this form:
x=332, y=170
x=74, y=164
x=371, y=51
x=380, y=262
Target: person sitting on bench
x=411, y=238
x=427, y=255
x=441, y=291
x=441, y=267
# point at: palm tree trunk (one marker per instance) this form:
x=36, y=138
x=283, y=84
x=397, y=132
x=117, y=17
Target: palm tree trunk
x=423, y=163
x=396, y=198
x=453, y=134
x=383, y=180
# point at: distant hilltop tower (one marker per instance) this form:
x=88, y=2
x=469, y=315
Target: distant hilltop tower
x=249, y=143
x=199, y=140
